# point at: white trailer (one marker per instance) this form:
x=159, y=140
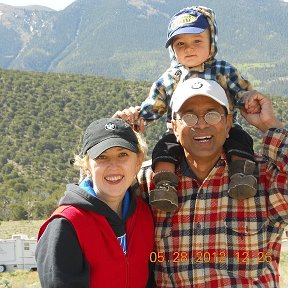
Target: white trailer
x=17, y=253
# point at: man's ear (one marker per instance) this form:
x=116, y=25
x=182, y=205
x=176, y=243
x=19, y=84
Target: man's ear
x=175, y=129
x=229, y=123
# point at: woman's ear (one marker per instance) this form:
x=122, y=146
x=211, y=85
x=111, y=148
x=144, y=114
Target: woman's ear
x=88, y=173
x=88, y=169
x=140, y=159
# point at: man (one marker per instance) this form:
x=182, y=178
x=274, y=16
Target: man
x=213, y=240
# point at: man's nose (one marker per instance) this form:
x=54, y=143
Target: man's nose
x=201, y=123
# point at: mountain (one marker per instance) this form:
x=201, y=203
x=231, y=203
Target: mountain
x=125, y=39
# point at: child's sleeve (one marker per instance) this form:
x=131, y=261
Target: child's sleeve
x=236, y=84
x=157, y=103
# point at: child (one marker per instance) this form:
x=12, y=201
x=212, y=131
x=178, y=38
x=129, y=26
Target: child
x=192, y=37
x=101, y=235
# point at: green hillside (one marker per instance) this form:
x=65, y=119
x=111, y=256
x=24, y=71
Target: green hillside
x=41, y=123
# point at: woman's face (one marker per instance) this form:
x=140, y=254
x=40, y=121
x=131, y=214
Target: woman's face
x=113, y=173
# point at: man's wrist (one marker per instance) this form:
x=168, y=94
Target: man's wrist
x=276, y=124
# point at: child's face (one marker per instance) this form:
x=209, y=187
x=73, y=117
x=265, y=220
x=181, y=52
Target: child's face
x=192, y=50
x=113, y=173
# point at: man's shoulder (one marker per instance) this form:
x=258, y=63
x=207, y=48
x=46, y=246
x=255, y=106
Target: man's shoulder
x=145, y=173
x=146, y=167
x=146, y=164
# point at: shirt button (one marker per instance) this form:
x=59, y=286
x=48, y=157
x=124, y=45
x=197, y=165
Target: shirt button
x=201, y=194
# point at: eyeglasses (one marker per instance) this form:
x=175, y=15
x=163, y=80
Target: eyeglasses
x=211, y=118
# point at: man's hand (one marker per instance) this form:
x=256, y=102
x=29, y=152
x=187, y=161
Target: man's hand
x=258, y=111
x=131, y=116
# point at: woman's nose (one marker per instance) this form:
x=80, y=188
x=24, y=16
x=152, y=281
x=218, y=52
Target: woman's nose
x=113, y=162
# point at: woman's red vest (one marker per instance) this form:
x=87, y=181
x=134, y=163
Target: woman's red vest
x=109, y=266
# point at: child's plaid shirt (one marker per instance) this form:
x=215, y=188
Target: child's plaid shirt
x=158, y=101
x=213, y=240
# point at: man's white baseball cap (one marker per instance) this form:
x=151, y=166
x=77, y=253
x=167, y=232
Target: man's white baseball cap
x=196, y=87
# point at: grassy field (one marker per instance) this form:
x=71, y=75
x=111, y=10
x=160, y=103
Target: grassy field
x=25, y=279
x=29, y=228
x=19, y=279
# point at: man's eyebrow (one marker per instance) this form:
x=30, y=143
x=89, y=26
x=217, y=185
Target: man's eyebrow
x=208, y=110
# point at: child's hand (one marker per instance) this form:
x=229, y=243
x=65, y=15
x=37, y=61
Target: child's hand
x=131, y=116
x=251, y=105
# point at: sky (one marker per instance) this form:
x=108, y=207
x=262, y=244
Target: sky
x=54, y=4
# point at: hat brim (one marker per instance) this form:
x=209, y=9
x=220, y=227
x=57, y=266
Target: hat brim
x=184, y=30
x=198, y=87
x=187, y=97
x=99, y=148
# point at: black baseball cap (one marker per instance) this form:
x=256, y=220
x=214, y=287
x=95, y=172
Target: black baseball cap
x=106, y=133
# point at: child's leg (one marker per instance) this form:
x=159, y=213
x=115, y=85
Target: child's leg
x=239, y=148
x=164, y=158
x=166, y=150
x=164, y=166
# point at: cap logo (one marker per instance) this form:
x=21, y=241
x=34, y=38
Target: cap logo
x=197, y=85
x=183, y=20
x=110, y=126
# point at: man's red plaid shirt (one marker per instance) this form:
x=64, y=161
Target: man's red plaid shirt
x=213, y=240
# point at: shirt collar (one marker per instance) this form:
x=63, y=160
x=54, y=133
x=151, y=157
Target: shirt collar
x=186, y=170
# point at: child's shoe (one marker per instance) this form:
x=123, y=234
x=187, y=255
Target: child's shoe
x=243, y=183
x=164, y=196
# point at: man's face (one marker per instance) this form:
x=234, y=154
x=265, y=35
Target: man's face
x=203, y=142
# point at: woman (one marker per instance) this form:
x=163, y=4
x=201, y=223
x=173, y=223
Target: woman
x=101, y=235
